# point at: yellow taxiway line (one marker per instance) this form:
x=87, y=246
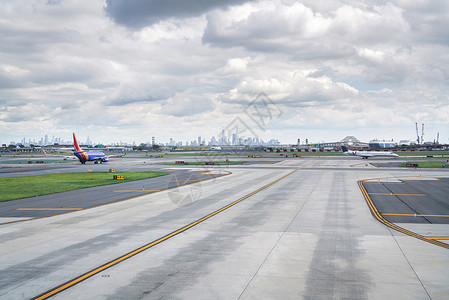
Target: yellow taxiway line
x=84, y=276
x=390, y=194
x=417, y=215
x=384, y=182
x=38, y=208
x=381, y=219
x=124, y=191
x=437, y=237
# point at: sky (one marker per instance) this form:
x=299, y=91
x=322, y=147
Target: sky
x=128, y=70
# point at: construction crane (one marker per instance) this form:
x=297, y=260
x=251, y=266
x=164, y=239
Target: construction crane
x=417, y=134
x=422, y=134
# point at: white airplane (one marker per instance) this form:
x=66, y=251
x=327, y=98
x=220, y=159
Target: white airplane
x=70, y=158
x=366, y=154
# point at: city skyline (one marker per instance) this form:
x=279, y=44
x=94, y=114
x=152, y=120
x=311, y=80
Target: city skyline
x=212, y=141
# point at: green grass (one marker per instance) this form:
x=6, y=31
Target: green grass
x=426, y=164
x=29, y=186
x=278, y=154
x=203, y=163
x=422, y=153
x=303, y=153
x=198, y=154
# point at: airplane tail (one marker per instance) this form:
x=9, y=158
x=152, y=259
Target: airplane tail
x=344, y=149
x=75, y=143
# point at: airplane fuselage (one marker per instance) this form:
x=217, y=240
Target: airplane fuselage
x=83, y=156
x=367, y=154
x=95, y=156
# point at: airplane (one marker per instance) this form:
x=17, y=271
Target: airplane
x=70, y=157
x=366, y=154
x=95, y=156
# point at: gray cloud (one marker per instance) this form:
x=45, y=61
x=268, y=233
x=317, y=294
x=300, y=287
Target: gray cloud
x=189, y=67
x=303, y=32
x=141, y=13
x=186, y=105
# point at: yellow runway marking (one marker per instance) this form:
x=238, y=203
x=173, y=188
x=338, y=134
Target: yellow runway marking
x=385, y=182
x=381, y=219
x=124, y=191
x=418, y=215
x=437, y=237
x=80, y=278
x=68, y=208
x=389, y=194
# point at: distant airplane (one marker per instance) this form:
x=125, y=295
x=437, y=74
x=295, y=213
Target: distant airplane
x=70, y=157
x=95, y=156
x=215, y=148
x=366, y=154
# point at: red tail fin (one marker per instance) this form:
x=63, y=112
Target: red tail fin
x=75, y=143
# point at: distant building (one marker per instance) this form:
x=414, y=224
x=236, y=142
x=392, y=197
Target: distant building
x=406, y=143
x=375, y=144
x=349, y=141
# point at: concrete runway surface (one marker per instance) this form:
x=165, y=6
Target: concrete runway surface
x=297, y=229
x=41, y=206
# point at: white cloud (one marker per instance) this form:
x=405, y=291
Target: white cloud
x=72, y=65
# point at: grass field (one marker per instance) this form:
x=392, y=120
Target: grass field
x=302, y=153
x=29, y=186
x=426, y=164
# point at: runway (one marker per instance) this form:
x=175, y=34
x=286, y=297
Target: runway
x=47, y=205
x=301, y=229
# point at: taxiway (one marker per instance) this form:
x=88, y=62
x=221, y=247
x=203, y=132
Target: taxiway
x=295, y=229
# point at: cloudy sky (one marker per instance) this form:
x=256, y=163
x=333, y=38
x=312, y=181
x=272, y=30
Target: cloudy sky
x=127, y=70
